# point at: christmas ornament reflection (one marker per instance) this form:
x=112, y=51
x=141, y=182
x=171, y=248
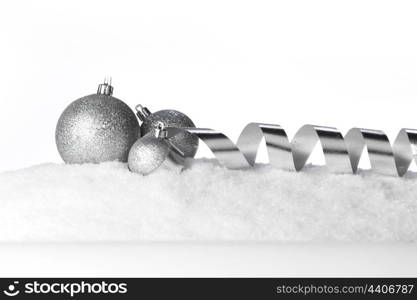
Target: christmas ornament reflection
x=96, y=128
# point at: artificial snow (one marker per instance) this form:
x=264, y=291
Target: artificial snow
x=106, y=202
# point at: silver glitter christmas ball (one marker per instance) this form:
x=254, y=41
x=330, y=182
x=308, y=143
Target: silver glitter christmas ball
x=147, y=154
x=96, y=128
x=185, y=142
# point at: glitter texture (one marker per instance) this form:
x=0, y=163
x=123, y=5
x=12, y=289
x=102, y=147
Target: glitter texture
x=96, y=128
x=147, y=154
x=185, y=142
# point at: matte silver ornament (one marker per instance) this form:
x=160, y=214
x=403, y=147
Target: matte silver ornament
x=96, y=128
x=185, y=142
x=150, y=151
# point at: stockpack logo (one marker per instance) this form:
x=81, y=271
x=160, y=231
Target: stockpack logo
x=12, y=289
x=70, y=289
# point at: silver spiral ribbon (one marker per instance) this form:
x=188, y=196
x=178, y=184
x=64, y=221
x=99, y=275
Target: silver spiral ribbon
x=342, y=154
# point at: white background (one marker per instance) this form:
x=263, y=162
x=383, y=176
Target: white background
x=208, y=259
x=225, y=63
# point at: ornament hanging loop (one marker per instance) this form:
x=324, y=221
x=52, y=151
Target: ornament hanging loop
x=142, y=112
x=160, y=131
x=105, y=88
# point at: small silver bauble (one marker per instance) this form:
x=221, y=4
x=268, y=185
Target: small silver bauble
x=185, y=142
x=149, y=152
x=96, y=128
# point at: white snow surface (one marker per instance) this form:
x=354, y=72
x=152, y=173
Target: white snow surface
x=106, y=202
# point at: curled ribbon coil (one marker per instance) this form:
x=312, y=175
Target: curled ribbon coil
x=342, y=154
